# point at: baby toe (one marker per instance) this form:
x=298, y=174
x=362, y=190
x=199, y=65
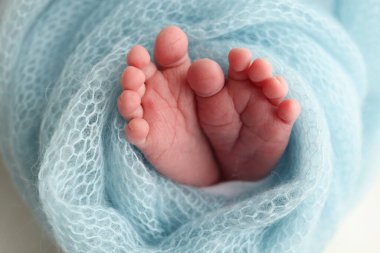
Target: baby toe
x=129, y=104
x=133, y=79
x=138, y=57
x=259, y=71
x=288, y=111
x=239, y=61
x=136, y=132
x=275, y=89
x=171, y=47
x=205, y=77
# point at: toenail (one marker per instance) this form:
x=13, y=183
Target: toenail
x=277, y=81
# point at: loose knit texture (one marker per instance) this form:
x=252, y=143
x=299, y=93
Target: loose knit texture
x=63, y=140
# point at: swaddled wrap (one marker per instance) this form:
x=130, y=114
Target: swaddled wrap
x=63, y=141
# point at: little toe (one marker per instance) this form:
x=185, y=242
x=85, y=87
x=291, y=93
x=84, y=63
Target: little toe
x=275, y=89
x=129, y=104
x=205, y=77
x=288, y=111
x=133, y=79
x=137, y=131
x=139, y=57
x=171, y=47
x=239, y=61
x=259, y=71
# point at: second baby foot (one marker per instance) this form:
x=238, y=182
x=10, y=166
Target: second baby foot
x=244, y=118
x=161, y=110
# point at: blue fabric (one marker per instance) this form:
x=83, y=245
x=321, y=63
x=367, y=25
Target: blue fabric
x=63, y=141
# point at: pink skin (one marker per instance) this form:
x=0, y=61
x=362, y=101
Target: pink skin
x=196, y=127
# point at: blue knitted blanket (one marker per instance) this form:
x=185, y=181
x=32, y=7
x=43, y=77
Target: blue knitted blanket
x=62, y=138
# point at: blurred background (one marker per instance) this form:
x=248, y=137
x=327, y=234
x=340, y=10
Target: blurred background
x=19, y=232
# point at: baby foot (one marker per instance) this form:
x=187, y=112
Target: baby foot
x=161, y=110
x=245, y=118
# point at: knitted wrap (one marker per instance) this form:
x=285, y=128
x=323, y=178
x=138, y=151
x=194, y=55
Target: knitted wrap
x=63, y=141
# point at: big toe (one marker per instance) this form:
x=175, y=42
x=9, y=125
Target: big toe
x=171, y=47
x=215, y=107
x=205, y=77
